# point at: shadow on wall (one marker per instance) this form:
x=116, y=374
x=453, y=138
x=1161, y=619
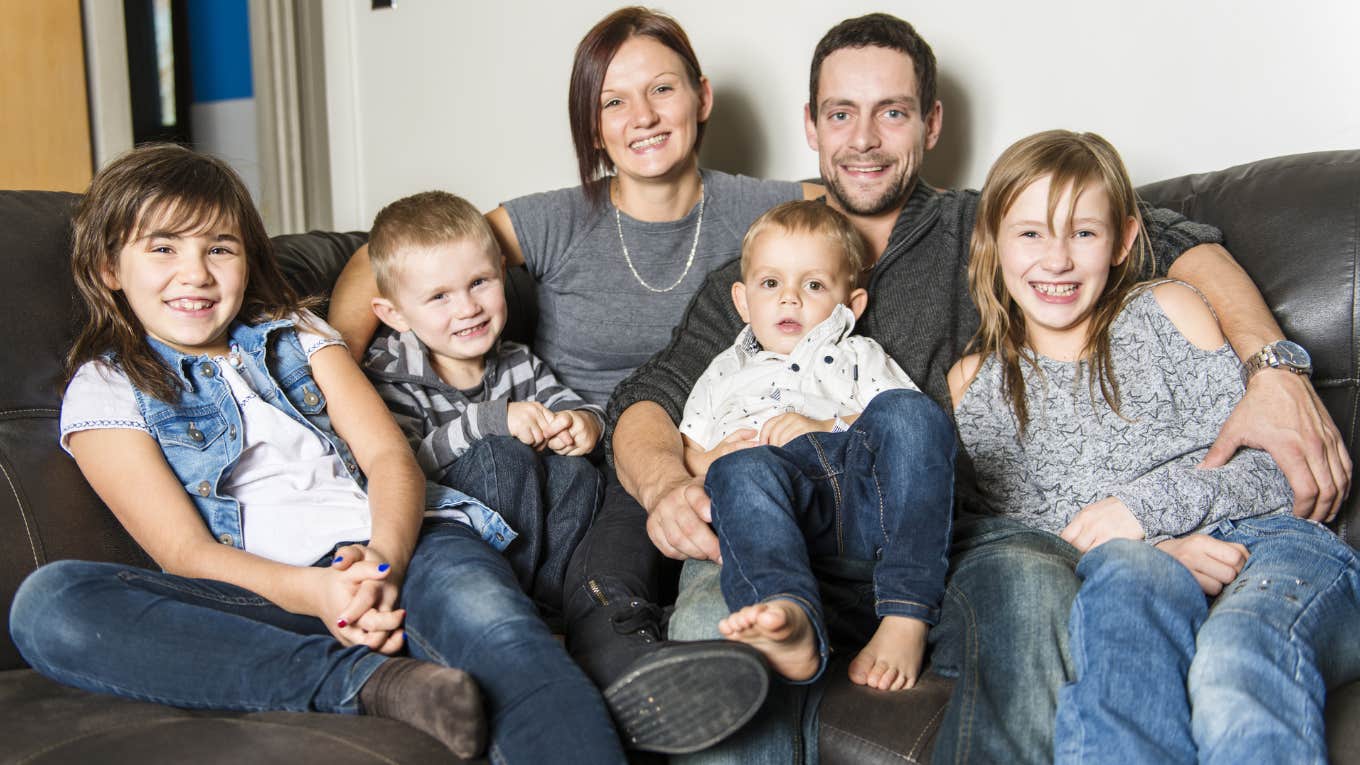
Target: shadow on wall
x=947, y=165
x=734, y=141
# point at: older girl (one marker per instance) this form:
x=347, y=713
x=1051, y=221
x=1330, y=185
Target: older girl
x=616, y=261
x=234, y=438
x=1210, y=621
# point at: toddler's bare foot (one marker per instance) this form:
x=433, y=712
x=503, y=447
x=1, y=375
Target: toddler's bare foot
x=779, y=629
x=892, y=659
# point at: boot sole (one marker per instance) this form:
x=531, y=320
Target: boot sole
x=688, y=697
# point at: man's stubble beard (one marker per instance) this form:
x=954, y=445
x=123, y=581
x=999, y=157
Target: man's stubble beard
x=892, y=198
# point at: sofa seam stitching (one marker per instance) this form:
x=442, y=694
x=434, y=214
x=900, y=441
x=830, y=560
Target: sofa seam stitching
x=23, y=516
x=909, y=757
x=926, y=728
x=1342, y=529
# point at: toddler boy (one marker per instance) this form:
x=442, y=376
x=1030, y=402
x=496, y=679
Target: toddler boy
x=851, y=478
x=484, y=415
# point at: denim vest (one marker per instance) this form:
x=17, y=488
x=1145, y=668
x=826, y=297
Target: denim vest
x=200, y=432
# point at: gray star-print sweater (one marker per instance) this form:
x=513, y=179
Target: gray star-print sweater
x=1076, y=450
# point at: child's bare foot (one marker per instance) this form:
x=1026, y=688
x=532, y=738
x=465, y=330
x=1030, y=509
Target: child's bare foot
x=779, y=629
x=892, y=659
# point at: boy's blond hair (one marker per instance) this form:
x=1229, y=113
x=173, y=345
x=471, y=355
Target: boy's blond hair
x=814, y=218
x=421, y=220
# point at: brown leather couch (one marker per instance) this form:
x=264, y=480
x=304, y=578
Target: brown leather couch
x=1293, y=222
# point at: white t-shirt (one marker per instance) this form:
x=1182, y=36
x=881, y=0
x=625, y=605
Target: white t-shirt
x=297, y=499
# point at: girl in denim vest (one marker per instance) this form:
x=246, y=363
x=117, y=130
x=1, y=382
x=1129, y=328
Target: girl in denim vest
x=1209, y=621
x=232, y=435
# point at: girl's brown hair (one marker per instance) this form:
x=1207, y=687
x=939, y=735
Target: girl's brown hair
x=593, y=55
x=1080, y=161
x=185, y=192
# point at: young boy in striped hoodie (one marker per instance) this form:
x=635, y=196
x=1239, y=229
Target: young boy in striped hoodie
x=484, y=415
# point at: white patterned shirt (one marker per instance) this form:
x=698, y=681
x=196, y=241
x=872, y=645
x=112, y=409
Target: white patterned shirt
x=830, y=373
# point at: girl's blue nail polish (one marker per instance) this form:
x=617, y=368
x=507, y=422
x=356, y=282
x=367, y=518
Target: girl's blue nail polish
x=382, y=568
x=338, y=559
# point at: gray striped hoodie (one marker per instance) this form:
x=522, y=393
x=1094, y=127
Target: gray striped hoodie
x=441, y=421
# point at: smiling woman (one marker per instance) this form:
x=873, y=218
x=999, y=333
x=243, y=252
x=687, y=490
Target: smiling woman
x=616, y=260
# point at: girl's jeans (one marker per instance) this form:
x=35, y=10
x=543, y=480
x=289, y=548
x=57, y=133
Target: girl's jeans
x=881, y=492
x=1163, y=675
x=198, y=643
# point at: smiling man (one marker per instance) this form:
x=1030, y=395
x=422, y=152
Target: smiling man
x=872, y=114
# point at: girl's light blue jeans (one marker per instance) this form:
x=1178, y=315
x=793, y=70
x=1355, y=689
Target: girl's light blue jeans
x=1165, y=675
x=199, y=644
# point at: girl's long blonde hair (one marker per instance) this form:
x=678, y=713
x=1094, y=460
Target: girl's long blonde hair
x=187, y=192
x=1080, y=161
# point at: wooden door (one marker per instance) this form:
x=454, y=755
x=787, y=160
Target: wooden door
x=44, y=117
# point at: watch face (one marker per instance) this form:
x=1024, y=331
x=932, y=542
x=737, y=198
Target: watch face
x=1293, y=354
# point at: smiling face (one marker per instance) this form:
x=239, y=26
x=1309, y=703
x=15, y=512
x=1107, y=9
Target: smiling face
x=650, y=111
x=869, y=129
x=184, y=287
x=792, y=283
x=452, y=296
x=1057, y=274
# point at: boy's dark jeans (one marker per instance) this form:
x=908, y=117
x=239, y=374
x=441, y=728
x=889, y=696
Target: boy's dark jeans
x=548, y=499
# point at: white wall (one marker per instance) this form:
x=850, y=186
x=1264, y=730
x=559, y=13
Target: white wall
x=471, y=96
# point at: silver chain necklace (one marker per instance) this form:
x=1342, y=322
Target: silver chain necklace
x=618, y=224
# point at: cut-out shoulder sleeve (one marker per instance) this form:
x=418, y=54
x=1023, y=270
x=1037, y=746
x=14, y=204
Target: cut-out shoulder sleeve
x=1190, y=313
x=1076, y=449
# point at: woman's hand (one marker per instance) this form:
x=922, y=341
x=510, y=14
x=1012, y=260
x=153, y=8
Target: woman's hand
x=781, y=429
x=697, y=460
x=530, y=422
x=1099, y=522
x=1213, y=562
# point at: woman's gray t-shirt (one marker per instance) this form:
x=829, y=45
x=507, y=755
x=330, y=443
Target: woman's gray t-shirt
x=596, y=322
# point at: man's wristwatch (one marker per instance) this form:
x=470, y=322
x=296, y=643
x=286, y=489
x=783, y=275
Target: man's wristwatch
x=1281, y=354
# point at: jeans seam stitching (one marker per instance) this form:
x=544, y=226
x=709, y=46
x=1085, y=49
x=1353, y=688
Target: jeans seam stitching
x=835, y=491
x=726, y=541
x=253, y=600
x=120, y=690
x=435, y=656
x=969, y=689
